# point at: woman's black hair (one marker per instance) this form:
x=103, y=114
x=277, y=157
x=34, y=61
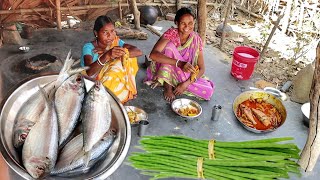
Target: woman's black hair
x=182, y=12
x=100, y=22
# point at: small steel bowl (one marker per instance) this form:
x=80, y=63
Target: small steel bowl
x=183, y=102
x=24, y=49
x=140, y=114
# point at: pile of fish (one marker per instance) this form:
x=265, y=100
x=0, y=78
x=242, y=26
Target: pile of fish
x=44, y=127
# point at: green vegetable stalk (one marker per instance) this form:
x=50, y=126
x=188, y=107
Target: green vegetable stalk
x=177, y=156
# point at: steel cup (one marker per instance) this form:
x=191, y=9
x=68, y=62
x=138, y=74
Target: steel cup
x=143, y=125
x=216, y=111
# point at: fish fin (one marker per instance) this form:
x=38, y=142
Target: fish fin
x=76, y=62
x=44, y=94
x=85, y=155
x=87, y=159
x=78, y=156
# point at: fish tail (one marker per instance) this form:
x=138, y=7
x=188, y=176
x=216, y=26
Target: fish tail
x=67, y=64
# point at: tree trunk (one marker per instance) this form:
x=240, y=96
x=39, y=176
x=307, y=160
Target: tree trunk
x=202, y=18
x=136, y=13
x=311, y=150
x=58, y=14
x=120, y=10
x=286, y=17
x=223, y=35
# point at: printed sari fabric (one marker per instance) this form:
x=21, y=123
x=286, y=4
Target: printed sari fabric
x=118, y=75
x=156, y=72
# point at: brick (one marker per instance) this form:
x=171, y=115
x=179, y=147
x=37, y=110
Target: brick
x=262, y=84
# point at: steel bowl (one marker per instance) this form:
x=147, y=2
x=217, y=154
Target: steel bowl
x=183, y=102
x=10, y=107
x=140, y=114
x=305, y=108
x=267, y=97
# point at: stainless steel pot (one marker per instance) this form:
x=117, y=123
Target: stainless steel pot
x=268, y=97
x=13, y=103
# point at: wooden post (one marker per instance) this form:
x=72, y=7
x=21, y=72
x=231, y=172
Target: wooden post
x=120, y=9
x=136, y=13
x=311, y=150
x=178, y=2
x=270, y=36
x=202, y=18
x=58, y=14
x=286, y=17
x=225, y=22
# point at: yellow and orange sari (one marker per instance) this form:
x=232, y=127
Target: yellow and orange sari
x=119, y=75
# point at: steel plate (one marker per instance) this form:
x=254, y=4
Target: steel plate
x=14, y=102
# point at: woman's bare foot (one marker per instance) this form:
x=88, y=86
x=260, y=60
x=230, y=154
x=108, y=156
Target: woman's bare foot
x=168, y=93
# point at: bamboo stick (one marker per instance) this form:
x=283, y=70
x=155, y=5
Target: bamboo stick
x=178, y=2
x=196, y=2
x=58, y=4
x=120, y=10
x=301, y=16
x=249, y=12
x=94, y=6
x=286, y=17
x=225, y=22
x=202, y=18
x=311, y=150
x=276, y=24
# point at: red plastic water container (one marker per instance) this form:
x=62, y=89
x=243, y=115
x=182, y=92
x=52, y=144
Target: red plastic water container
x=244, y=61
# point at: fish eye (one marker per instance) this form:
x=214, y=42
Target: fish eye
x=78, y=79
x=23, y=136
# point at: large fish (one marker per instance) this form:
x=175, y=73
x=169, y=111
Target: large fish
x=67, y=166
x=248, y=113
x=32, y=109
x=95, y=117
x=262, y=117
x=68, y=103
x=40, y=150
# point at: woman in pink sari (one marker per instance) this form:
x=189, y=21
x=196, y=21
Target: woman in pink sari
x=174, y=58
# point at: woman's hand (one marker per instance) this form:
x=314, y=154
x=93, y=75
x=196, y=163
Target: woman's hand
x=187, y=67
x=179, y=90
x=116, y=52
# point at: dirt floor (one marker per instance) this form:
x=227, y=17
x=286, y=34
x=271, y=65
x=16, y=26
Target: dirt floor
x=278, y=64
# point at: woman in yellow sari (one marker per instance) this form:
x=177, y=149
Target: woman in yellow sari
x=111, y=60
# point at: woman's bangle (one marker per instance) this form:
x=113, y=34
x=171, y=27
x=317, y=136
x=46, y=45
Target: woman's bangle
x=99, y=62
x=177, y=62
